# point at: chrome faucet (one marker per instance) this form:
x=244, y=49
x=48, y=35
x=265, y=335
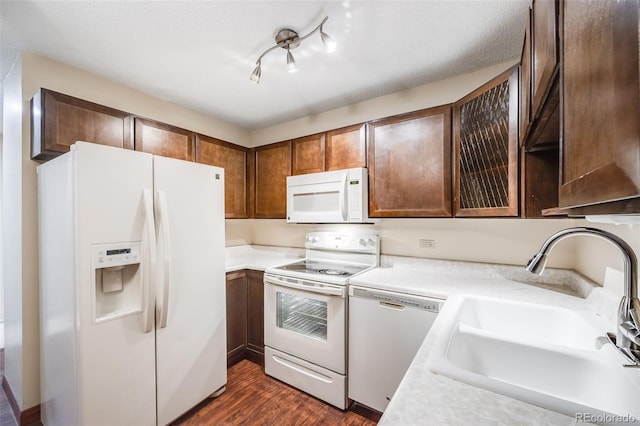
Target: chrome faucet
x=627, y=337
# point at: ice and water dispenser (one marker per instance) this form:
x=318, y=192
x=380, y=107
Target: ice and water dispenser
x=117, y=276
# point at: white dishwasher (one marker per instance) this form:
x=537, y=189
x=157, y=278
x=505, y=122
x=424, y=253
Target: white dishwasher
x=385, y=331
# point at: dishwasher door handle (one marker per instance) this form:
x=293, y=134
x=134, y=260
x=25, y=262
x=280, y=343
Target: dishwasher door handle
x=393, y=306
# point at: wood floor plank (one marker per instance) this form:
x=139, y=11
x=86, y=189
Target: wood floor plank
x=255, y=399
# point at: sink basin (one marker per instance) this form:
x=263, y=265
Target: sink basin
x=532, y=322
x=538, y=354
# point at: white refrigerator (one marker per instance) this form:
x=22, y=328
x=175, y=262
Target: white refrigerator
x=132, y=286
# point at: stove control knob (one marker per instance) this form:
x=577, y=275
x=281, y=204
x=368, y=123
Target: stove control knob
x=362, y=242
x=371, y=242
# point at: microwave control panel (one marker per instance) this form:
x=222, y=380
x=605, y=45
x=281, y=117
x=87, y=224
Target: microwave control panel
x=356, y=179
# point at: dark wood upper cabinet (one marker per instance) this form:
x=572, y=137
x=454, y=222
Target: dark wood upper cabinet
x=58, y=121
x=485, y=134
x=346, y=148
x=272, y=166
x=539, y=76
x=308, y=154
x=539, y=182
x=544, y=48
x=410, y=164
x=233, y=159
x=337, y=149
x=162, y=139
x=600, y=104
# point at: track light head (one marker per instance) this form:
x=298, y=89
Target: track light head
x=291, y=63
x=257, y=71
x=328, y=42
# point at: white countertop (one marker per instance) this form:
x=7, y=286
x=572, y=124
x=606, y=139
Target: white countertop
x=424, y=398
x=260, y=257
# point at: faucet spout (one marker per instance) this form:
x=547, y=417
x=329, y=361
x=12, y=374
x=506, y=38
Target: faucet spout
x=628, y=327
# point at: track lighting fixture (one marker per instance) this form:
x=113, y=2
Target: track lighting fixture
x=289, y=39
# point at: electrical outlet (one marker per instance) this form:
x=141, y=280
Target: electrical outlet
x=427, y=244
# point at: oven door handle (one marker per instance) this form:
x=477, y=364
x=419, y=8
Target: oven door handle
x=312, y=288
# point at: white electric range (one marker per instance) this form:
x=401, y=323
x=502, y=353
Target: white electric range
x=305, y=313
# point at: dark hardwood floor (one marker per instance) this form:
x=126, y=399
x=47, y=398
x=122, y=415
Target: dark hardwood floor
x=6, y=414
x=253, y=398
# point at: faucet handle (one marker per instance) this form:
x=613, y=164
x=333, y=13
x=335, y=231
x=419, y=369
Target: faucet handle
x=631, y=357
x=630, y=331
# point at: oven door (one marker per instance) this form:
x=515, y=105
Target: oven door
x=306, y=319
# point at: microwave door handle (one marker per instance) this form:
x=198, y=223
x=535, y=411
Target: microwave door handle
x=343, y=199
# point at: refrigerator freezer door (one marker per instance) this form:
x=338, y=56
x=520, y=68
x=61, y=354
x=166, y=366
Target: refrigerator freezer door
x=191, y=349
x=95, y=199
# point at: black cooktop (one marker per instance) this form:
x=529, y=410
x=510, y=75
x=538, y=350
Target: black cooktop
x=323, y=268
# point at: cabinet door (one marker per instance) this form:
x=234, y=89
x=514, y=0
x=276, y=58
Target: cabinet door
x=255, y=325
x=272, y=166
x=236, y=317
x=410, y=164
x=600, y=108
x=162, y=139
x=485, y=132
x=544, y=47
x=308, y=154
x=233, y=159
x=525, y=83
x=58, y=121
x=346, y=148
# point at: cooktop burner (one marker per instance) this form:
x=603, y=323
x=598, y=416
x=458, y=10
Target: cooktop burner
x=323, y=268
x=332, y=272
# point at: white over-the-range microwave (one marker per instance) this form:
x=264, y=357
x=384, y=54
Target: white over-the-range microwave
x=339, y=196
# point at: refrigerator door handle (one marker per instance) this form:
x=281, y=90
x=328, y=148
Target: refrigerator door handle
x=149, y=275
x=164, y=245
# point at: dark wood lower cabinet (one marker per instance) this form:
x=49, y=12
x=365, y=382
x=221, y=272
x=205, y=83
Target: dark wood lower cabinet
x=236, y=317
x=255, y=316
x=245, y=317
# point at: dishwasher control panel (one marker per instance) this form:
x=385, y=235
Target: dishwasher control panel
x=418, y=302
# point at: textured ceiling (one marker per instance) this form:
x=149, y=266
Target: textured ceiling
x=200, y=54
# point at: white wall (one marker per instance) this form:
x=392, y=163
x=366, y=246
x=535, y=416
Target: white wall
x=425, y=96
x=1, y=273
x=12, y=230
x=43, y=72
x=507, y=241
x=594, y=256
